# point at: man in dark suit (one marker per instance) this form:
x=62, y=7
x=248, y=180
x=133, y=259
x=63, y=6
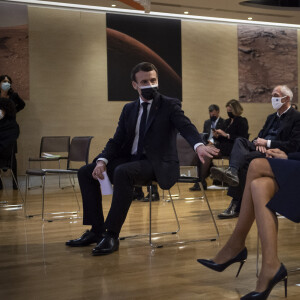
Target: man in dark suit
x=281, y=130
x=214, y=122
x=143, y=149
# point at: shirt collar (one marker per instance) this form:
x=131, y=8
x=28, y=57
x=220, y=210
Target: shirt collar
x=149, y=101
x=283, y=112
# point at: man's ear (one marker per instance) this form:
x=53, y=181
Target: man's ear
x=134, y=85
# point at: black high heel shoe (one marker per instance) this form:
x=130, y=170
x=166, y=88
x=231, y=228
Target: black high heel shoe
x=281, y=275
x=241, y=258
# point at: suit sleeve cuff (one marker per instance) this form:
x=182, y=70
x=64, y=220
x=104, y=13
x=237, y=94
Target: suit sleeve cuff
x=103, y=159
x=268, y=143
x=196, y=146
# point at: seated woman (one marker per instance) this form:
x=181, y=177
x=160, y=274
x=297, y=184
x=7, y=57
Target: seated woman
x=9, y=130
x=233, y=127
x=272, y=186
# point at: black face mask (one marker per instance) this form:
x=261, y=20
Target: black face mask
x=213, y=118
x=149, y=92
x=230, y=114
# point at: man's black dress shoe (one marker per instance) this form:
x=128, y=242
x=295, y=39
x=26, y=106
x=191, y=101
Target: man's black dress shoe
x=89, y=237
x=107, y=245
x=228, y=175
x=1, y=185
x=232, y=211
x=155, y=197
x=195, y=187
x=138, y=194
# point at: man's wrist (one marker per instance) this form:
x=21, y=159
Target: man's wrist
x=103, y=160
x=197, y=145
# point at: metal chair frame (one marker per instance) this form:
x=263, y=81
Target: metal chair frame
x=48, y=146
x=73, y=156
x=152, y=234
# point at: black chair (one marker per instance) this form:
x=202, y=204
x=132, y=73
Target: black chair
x=79, y=152
x=6, y=164
x=152, y=234
x=188, y=157
x=54, y=149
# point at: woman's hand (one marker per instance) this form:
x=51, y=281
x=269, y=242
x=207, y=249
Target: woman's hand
x=276, y=153
x=221, y=132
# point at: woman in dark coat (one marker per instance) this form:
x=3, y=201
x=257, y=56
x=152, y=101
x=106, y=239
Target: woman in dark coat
x=9, y=130
x=6, y=92
x=272, y=186
x=233, y=127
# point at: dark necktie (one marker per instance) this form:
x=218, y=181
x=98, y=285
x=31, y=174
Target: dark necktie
x=142, y=130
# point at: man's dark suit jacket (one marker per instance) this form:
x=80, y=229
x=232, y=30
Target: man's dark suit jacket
x=288, y=136
x=207, y=125
x=165, y=118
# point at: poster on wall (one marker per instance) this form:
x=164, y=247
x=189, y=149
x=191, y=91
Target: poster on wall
x=14, y=53
x=267, y=57
x=134, y=39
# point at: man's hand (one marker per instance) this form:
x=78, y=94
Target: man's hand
x=260, y=142
x=261, y=149
x=276, y=153
x=206, y=151
x=99, y=169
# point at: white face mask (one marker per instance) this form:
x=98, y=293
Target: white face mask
x=276, y=102
x=5, y=86
x=1, y=114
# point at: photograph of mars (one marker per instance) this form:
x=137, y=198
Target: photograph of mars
x=267, y=57
x=133, y=39
x=14, y=49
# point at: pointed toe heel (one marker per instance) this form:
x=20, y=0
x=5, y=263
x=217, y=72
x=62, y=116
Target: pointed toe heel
x=281, y=275
x=241, y=258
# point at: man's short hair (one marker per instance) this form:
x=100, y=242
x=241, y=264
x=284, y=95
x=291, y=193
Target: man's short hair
x=143, y=66
x=286, y=91
x=213, y=107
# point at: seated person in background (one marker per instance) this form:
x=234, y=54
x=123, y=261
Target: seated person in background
x=138, y=194
x=294, y=106
x=232, y=128
x=142, y=149
x=214, y=122
x=272, y=186
x=9, y=130
x=281, y=130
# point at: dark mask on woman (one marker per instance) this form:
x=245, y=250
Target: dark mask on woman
x=230, y=114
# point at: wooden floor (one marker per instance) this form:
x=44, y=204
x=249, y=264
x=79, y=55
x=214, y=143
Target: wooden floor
x=36, y=264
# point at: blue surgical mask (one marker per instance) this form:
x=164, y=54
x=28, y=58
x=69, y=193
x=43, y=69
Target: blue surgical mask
x=5, y=86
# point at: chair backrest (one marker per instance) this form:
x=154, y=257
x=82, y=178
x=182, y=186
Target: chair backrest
x=55, y=144
x=186, y=154
x=79, y=149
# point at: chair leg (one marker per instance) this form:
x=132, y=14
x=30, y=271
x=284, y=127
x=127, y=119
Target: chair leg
x=151, y=234
x=43, y=200
x=17, y=184
x=210, y=211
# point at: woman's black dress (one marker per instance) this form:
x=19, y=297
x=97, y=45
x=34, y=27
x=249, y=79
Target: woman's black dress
x=287, y=173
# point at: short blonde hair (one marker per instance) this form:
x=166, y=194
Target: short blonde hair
x=236, y=107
